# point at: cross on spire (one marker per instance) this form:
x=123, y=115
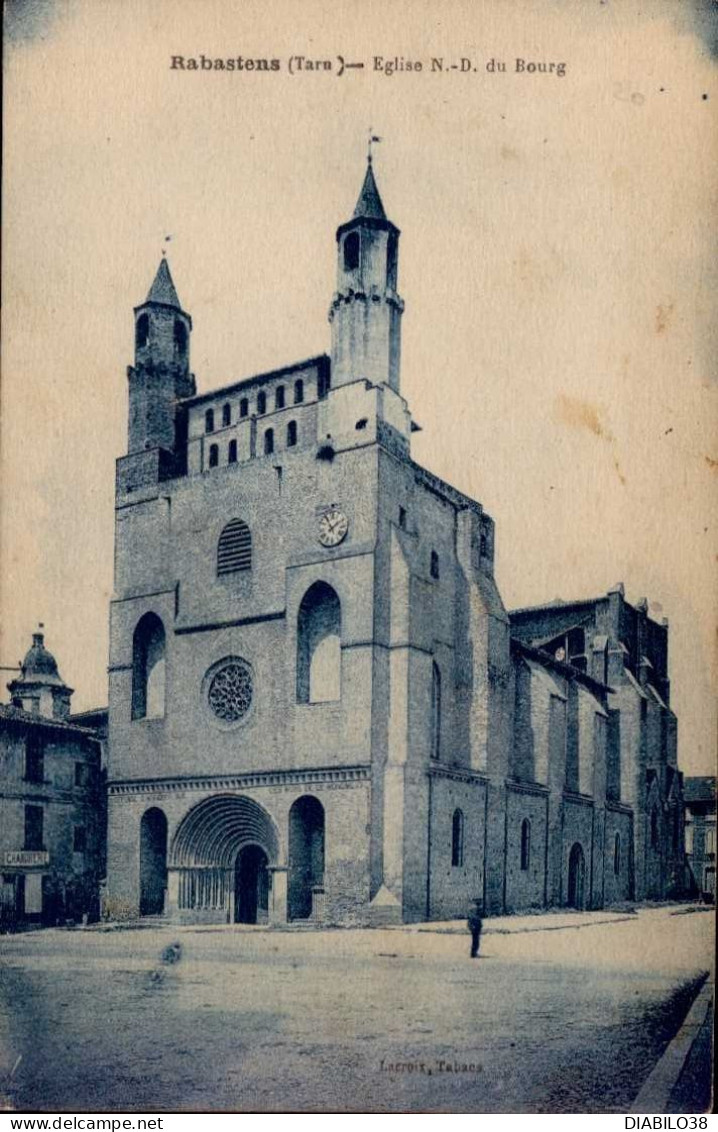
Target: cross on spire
x=373, y=139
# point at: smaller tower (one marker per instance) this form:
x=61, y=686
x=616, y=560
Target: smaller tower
x=40, y=689
x=161, y=374
x=365, y=313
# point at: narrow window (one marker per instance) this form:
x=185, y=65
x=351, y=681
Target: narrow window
x=244, y=407
x=351, y=251
x=234, y=549
x=434, y=564
x=180, y=337
x=34, y=757
x=34, y=818
x=435, y=711
x=209, y=420
x=402, y=518
x=213, y=455
x=654, y=828
x=617, y=854
x=269, y=442
x=319, y=627
x=298, y=391
x=525, y=844
x=457, y=839
x=279, y=397
x=148, y=668
x=291, y=434
x=261, y=402
x=232, y=452
x=142, y=331
x=226, y=415
x=79, y=839
x=81, y=774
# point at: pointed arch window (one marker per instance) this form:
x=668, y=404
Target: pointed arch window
x=291, y=434
x=234, y=549
x=148, y=668
x=457, y=839
x=525, y=844
x=298, y=391
x=213, y=455
x=226, y=415
x=435, y=711
x=180, y=336
x=351, y=251
x=269, y=442
x=319, y=628
x=142, y=331
x=279, y=397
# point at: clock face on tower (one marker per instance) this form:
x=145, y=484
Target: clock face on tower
x=333, y=527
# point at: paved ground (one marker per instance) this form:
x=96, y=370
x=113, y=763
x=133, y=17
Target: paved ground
x=261, y=1020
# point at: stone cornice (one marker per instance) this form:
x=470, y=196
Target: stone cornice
x=218, y=783
x=527, y=787
x=458, y=773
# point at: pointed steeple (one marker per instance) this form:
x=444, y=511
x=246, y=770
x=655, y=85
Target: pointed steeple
x=163, y=289
x=369, y=205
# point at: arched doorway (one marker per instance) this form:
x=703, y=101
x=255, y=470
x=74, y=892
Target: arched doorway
x=153, y=862
x=221, y=860
x=306, y=855
x=251, y=886
x=576, y=877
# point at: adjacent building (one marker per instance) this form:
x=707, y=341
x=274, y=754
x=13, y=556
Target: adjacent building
x=319, y=707
x=52, y=822
x=700, y=835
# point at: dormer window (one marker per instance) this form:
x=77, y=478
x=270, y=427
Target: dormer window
x=351, y=251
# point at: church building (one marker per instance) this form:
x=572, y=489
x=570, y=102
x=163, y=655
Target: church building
x=319, y=708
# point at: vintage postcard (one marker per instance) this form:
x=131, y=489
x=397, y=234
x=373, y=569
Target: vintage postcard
x=358, y=713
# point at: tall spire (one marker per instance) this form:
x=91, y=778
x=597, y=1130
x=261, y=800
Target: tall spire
x=163, y=289
x=369, y=206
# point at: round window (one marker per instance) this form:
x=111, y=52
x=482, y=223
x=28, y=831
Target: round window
x=229, y=690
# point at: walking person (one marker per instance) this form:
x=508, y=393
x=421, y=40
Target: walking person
x=475, y=924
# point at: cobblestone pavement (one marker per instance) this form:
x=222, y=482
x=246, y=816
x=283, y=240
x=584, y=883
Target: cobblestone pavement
x=368, y=1021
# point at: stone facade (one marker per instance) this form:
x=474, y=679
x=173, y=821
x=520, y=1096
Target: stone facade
x=317, y=711
x=52, y=824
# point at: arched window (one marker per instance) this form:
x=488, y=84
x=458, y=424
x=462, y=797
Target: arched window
x=148, y=668
x=351, y=251
x=291, y=434
x=244, y=407
x=525, y=844
x=226, y=415
x=617, y=854
x=298, y=391
x=213, y=455
x=234, y=549
x=180, y=336
x=269, y=442
x=142, y=331
x=232, y=453
x=209, y=420
x=457, y=839
x=279, y=397
x=654, y=828
x=261, y=402
x=319, y=627
x=435, y=711
x=434, y=570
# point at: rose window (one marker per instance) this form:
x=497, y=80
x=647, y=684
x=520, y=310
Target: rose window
x=230, y=691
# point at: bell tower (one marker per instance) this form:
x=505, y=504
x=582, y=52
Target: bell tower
x=366, y=309
x=161, y=374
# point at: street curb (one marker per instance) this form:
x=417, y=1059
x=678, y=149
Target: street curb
x=658, y=1086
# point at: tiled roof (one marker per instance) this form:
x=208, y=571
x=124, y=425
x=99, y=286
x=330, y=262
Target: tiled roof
x=17, y=715
x=700, y=789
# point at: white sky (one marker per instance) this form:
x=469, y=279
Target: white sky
x=555, y=262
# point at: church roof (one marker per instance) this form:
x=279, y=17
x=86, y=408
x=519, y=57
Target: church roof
x=369, y=204
x=163, y=289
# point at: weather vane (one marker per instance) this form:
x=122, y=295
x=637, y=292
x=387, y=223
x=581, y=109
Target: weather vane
x=372, y=139
x=164, y=250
